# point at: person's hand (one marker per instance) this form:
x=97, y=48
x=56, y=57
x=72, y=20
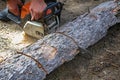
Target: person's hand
x=36, y=9
x=13, y=6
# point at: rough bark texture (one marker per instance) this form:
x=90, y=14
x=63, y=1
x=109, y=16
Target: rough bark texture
x=55, y=49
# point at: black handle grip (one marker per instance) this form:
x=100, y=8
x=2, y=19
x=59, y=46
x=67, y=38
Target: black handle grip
x=23, y=1
x=56, y=8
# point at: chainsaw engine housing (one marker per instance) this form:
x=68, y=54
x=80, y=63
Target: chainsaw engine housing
x=48, y=24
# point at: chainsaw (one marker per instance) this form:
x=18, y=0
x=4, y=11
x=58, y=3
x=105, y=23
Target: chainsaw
x=47, y=24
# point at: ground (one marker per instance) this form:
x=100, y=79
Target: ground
x=105, y=63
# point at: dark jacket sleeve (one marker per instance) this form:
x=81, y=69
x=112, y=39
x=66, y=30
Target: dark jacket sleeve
x=47, y=1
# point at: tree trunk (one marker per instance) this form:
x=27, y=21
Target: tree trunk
x=36, y=61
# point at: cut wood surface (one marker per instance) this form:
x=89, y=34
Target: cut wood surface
x=39, y=59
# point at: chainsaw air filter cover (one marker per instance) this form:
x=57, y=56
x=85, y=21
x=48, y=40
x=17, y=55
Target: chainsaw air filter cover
x=34, y=28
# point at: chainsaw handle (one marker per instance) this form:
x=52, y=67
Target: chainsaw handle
x=23, y=1
x=52, y=6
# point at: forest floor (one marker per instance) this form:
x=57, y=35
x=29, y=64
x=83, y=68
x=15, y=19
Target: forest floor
x=105, y=63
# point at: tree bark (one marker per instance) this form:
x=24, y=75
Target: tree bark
x=39, y=59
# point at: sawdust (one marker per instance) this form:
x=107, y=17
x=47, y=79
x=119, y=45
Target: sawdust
x=12, y=38
x=1, y=59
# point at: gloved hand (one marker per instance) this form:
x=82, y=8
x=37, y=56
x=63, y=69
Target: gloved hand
x=13, y=6
x=36, y=9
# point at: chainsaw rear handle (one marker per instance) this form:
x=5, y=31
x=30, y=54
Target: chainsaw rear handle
x=52, y=6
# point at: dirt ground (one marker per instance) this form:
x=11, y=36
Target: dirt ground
x=105, y=63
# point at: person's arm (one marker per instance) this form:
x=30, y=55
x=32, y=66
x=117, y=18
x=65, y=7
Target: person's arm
x=36, y=9
x=13, y=6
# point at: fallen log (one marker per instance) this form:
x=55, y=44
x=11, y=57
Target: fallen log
x=42, y=57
